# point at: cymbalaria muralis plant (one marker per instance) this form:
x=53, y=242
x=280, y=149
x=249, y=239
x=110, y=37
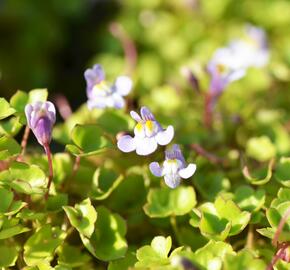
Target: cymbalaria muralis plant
x=110, y=200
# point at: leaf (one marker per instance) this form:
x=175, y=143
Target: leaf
x=107, y=242
x=222, y=218
x=5, y=109
x=243, y=260
x=156, y=254
x=270, y=232
x=212, y=255
x=24, y=178
x=55, y=203
x=8, y=256
x=248, y=199
x=37, y=95
x=89, y=140
x=165, y=202
x=71, y=256
x=83, y=217
x=259, y=181
x=11, y=227
x=8, y=147
x=19, y=100
x=105, y=181
x=123, y=264
x=260, y=148
x=282, y=171
x=41, y=246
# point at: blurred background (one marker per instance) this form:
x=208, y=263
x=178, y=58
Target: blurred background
x=49, y=44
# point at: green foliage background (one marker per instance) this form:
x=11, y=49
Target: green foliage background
x=112, y=213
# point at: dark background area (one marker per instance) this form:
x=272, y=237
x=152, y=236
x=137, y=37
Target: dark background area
x=49, y=44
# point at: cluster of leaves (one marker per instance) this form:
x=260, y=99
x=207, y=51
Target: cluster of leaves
x=105, y=209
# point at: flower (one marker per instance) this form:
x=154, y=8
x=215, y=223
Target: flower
x=224, y=69
x=102, y=94
x=252, y=51
x=174, y=167
x=148, y=134
x=41, y=118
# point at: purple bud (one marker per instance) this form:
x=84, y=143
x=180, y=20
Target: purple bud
x=41, y=118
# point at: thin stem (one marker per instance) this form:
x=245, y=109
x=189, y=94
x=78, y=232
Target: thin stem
x=76, y=165
x=175, y=229
x=250, y=237
x=278, y=255
x=63, y=106
x=208, y=111
x=202, y=152
x=280, y=227
x=127, y=43
x=50, y=167
x=24, y=142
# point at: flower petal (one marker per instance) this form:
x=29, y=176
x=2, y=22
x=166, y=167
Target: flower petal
x=164, y=137
x=123, y=85
x=28, y=112
x=172, y=180
x=146, y=114
x=126, y=144
x=135, y=116
x=97, y=103
x=188, y=171
x=94, y=75
x=155, y=169
x=145, y=146
x=118, y=101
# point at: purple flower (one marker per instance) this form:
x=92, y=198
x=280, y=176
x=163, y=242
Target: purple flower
x=148, y=134
x=252, y=51
x=102, y=94
x=224, y=69
x=41, y=118
x=174, y=167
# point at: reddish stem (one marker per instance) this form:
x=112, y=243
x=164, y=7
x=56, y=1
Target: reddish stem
x=50, y=167
x=208, y=111
x=127, y=43
x=280, y=227
x=76, y=165
x=278, y=255
x=202, y=152
x=24, y=142
x=63, y=106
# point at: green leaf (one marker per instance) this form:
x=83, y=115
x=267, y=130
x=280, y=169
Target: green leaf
x=105, y=181
x=123, y=264
x=11, y=227
x=164, y=202
x=8, y=256
x=83, y=217
x=245, y=259
x=156, y=254
x=212, y=255
x=55, y=203
x=89, y=140
x=19, y=100
x=259, y=180
x=8, y=148
x=107, y=242
x=24, y=178
x=41, y=246
x=5, y=109
x=282, y=171
x=71, y=256
x=10, y=127
x=222, y=219
x=248, y=199
x=260, y=148
x=270, y=232
x=27, y=214
x=37, y=95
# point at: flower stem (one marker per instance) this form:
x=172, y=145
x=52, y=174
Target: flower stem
x=250, y=237
x=280, y=227
x=175, y=229
x=24, y=142
x=127, y=43
x=50, y=167
x=208, y=111
x=278, y=255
